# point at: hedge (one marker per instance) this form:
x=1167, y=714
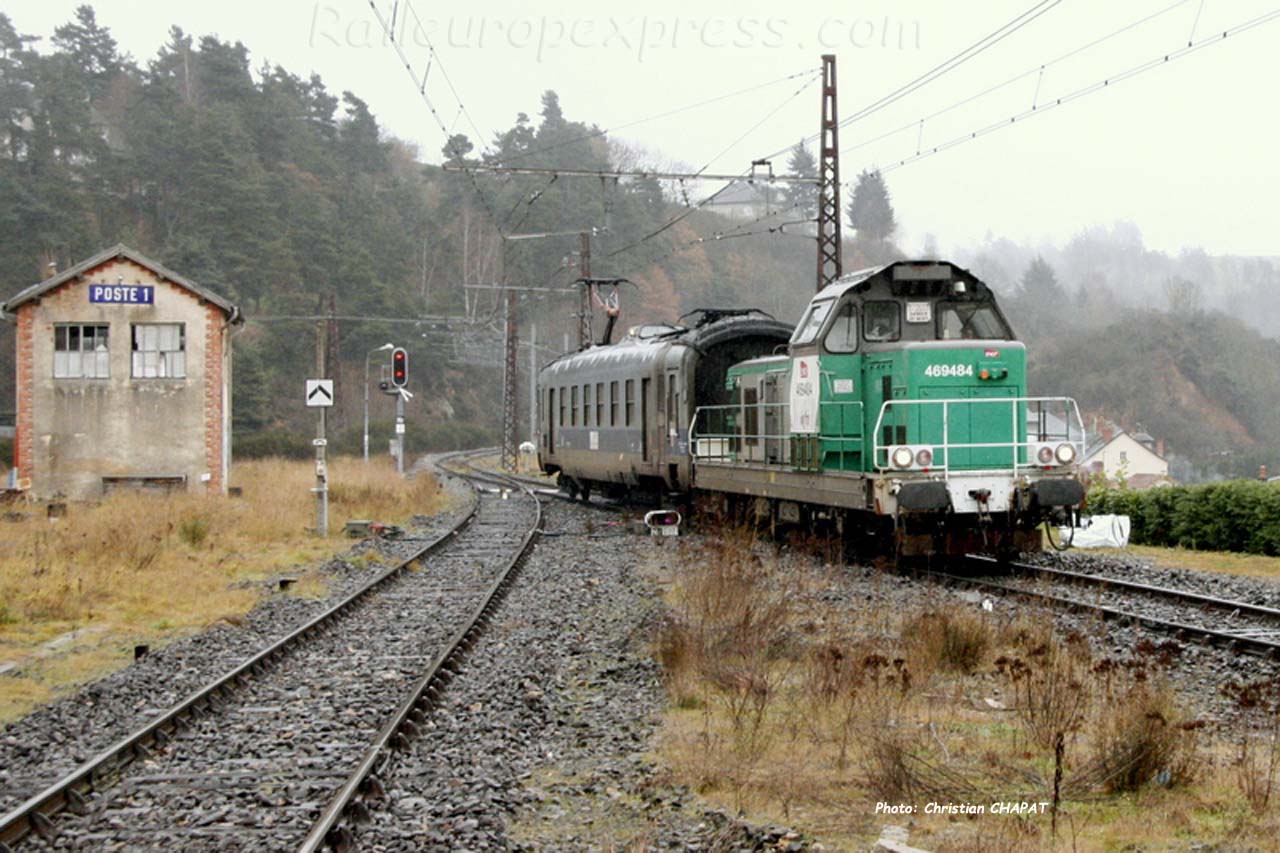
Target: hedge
x=1233, y=515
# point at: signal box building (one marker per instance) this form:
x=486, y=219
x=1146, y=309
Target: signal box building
x=123, y=380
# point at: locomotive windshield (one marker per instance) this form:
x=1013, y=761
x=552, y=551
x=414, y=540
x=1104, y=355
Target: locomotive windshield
x=812, y=322
x=971, y=321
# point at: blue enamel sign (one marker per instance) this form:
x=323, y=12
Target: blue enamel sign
x=122, y=294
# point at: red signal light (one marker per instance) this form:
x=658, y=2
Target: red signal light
x=399, y=367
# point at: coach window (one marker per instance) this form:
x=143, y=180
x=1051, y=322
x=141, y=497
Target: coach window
x=80, y=352
x=631, y=401
x=599, y=404
x=564, y=421
x=586, y=405
x=881, y=321
x=159, y=351
x=573, y=406
x=843, y=336
x=613, y=404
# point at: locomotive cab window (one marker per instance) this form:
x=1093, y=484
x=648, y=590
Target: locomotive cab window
x=811, y=324
x=843, y=335
x=971, y=321
x=881, y=321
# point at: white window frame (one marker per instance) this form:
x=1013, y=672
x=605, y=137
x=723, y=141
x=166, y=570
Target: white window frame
x=79, y=362
x=158, y=351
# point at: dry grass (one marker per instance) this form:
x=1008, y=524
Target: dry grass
x=1223, y=562
x=796, y=709
x=142, y=568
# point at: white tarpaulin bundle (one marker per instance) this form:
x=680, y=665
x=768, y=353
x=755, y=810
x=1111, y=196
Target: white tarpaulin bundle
x=1099, y=531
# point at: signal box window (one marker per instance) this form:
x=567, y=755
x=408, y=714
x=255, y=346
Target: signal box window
x=971, y=321
x=881, y=321
x=843, y=336
x=159, y=351
x=80, y=352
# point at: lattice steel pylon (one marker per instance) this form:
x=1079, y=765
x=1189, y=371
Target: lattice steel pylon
x=584, y=306
x=510, y=400
x=830, y=261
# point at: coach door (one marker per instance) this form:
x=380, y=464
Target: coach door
x=644, y=419
x=551, y=419
x=674, y=439
x=774, y=428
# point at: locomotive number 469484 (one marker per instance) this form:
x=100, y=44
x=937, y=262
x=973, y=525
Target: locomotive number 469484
x=939, y=370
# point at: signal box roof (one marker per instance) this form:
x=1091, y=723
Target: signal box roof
x=116, y=252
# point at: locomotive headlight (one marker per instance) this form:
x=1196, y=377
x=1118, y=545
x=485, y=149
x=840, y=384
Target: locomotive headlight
x=1045, y=455
x=924, y=457
x=901, y=457
x=1066, y=454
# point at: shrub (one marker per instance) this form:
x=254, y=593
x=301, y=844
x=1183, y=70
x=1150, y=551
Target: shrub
x=193, y=530
x=956, y=640
x=1140, y=739
x=1236, y=515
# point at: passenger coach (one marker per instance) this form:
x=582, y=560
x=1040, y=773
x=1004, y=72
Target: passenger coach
x=616, y=418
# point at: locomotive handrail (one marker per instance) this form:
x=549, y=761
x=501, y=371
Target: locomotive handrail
x=724, y=445
x=1071, y=417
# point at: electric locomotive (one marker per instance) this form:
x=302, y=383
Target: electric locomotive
x=899, y=415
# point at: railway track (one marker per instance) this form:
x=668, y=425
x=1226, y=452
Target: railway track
x=276, y=752
x=1188, y=616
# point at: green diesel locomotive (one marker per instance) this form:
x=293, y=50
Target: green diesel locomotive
x=898, y=417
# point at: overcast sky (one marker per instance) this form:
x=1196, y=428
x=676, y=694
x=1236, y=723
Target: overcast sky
x=1186, y=150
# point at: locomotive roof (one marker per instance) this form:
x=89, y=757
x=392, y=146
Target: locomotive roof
x=907, y=275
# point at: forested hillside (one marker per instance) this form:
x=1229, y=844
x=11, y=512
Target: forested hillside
x=292, y=200
x=288, y=198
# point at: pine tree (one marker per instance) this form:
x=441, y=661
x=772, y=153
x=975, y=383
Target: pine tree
x=803, y=196
x=870, y=210
x=1040, y=282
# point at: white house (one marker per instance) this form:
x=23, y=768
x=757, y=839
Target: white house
x=1133, y=458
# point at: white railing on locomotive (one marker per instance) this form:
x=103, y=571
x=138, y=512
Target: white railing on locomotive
x=1045, y=434
x=714, y=437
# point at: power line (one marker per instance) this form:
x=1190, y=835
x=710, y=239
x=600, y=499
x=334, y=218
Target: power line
x=421, y=86
x=1038, y=69
x=598, y=133
x=650, y=174
x=690, y=210
x=991, y=39
x=977, y=48
x=1105, y=83
x=443, y=73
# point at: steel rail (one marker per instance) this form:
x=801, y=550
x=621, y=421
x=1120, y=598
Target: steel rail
x=331, y=828
x=1180, y=630
x=1135, y=586
x=35, y=814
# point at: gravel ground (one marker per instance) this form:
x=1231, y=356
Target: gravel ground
x=1151, y=605
x=251, y=776
x=542, y=739
x=38, y=748
x=1197, y=673
x=1263, y=591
